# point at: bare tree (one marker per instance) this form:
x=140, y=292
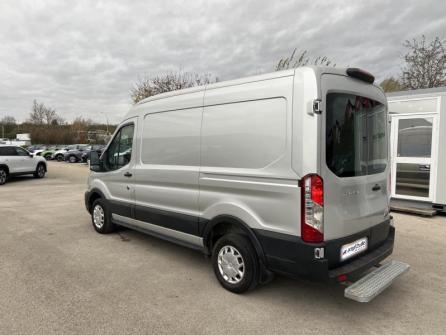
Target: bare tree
x=425, y=64
x=37, y=115
x=302, y=59
x=50, y=115
x=40, y=114
x=171, y=81
x=391, y=85
x=8, y=120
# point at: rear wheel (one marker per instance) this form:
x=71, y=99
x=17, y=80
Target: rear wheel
x=72, y=159
x=100, y=217
x=59, y=157
x=48, y=157
x=40, y=171
x=235, y=263
x=3, y=176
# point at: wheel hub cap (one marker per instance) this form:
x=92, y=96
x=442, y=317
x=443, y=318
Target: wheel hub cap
x=231, y=264
x=98, y=216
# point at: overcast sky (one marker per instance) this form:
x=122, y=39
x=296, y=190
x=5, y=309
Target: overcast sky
x=82, y=57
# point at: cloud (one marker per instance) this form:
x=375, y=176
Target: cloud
x=82, y=57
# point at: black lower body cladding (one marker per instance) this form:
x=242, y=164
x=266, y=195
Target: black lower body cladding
x=289, y=255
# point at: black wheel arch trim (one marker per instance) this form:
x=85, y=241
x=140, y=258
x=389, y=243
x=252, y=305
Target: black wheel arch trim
x=89, y=194
x=207, y=227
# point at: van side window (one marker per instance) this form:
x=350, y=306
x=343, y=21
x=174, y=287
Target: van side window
x=119, y=151
x=172, y=138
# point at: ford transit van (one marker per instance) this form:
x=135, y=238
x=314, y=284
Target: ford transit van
x=282, y=173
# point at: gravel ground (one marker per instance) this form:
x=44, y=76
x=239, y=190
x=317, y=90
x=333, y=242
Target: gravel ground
x=57, y=276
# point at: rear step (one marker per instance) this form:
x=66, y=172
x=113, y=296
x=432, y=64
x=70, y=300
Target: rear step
x=368, y=287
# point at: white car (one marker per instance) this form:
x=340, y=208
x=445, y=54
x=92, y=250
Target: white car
x=15, y=161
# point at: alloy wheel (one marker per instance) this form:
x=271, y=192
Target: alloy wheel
x=41, y=171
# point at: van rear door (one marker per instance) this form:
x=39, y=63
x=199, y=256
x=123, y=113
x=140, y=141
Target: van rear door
x=354, y=155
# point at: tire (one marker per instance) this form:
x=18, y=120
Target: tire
x=59, y=158
x=3, y=176
x=40, y=171
x=48, y=157
x=238, y=271
x=101, y=218
x=72, y=159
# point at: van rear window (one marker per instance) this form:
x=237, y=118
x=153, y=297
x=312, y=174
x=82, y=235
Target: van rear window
x=356, y=140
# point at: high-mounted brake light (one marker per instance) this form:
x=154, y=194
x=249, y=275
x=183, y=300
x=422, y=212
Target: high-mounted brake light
x=312, y=209
x=361, y=75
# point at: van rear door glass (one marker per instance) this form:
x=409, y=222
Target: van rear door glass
x=356, y=142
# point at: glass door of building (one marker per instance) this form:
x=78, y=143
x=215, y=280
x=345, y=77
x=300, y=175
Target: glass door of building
x=414, y=156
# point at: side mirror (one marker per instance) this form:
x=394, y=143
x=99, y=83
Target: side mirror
x=95, y=162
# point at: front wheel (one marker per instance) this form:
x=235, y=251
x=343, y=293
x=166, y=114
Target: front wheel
x=100, y=217
x=40, y=171
x=72, y=159
x=59, y=158
x=235, y=263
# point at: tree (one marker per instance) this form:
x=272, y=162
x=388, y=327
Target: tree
x=391, y=85
x=302, y=59
x=8, y=120
x=425, y=64
x=37, y=115
x=40, y=114
x=171, y=81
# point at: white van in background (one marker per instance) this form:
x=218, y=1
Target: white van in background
x=284, y=173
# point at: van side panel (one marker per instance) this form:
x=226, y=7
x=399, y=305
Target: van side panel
x=246, y=155
x=166, y=175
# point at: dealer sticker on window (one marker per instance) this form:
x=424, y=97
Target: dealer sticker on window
x=354, y=248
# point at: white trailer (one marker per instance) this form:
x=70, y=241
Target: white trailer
x=418, y=147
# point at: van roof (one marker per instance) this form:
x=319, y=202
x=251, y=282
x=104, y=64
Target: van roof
x=265, y=76
x=318, y=70
x=244, y=80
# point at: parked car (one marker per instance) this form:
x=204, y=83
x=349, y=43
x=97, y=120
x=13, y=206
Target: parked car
x=49, y=152
x=37, y=150
x=75, y=155
x=280, y=173
x=59, y=154
x=15, y=161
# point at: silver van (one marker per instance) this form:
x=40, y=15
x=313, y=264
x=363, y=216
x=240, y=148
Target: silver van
x=282, y=173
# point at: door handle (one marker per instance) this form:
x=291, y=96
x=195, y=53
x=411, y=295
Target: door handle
x=376, y=187
x=127, y=174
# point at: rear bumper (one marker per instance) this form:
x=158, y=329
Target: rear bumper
x=289, y=255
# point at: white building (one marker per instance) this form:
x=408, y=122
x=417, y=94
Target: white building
x=418, y=146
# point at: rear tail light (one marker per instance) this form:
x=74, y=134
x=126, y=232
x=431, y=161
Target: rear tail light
x=312, y=208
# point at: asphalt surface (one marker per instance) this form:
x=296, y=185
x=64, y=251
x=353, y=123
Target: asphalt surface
x=58, y=276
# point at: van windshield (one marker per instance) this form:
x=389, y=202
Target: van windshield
x=356, y=142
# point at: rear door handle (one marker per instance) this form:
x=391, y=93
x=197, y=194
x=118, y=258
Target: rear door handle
x=376, y=187
x=127, y=174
